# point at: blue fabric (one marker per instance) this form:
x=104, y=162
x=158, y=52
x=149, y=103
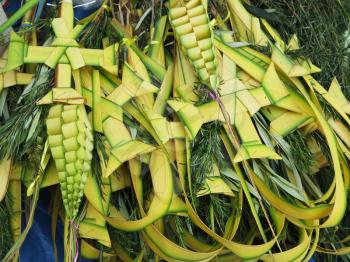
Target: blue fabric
x=38, y=243
x=10, y=8
x=80, y=12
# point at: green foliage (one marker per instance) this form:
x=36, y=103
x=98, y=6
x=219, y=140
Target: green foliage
x=223, y=208
x=179, y=228
x=129, y=241
x=320, y=27
x=301, y=153
x=141, y=133
x=206, y=151
x=6, y=238
x=99, y=146
x=100, y=28
x=20, y=131
x=214, y=210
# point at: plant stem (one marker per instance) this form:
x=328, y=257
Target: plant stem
x=18, y=14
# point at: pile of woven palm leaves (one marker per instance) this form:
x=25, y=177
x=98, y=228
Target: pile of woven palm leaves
x=179, y=130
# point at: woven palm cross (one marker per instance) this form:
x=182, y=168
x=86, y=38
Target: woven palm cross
x=65, y=55
x=64, y=49
x=67, y=58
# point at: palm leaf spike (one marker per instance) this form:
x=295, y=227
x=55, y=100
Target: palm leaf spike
x=69, y=131
x=70, y=141
x=68, y=126
x=191, y=26
x=70, y=137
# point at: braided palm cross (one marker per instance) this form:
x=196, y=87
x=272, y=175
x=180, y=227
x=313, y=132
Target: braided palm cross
x=69, y=129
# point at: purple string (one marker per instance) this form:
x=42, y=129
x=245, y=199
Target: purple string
x=75, y=236
x=24, y=25
x=213, y=96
